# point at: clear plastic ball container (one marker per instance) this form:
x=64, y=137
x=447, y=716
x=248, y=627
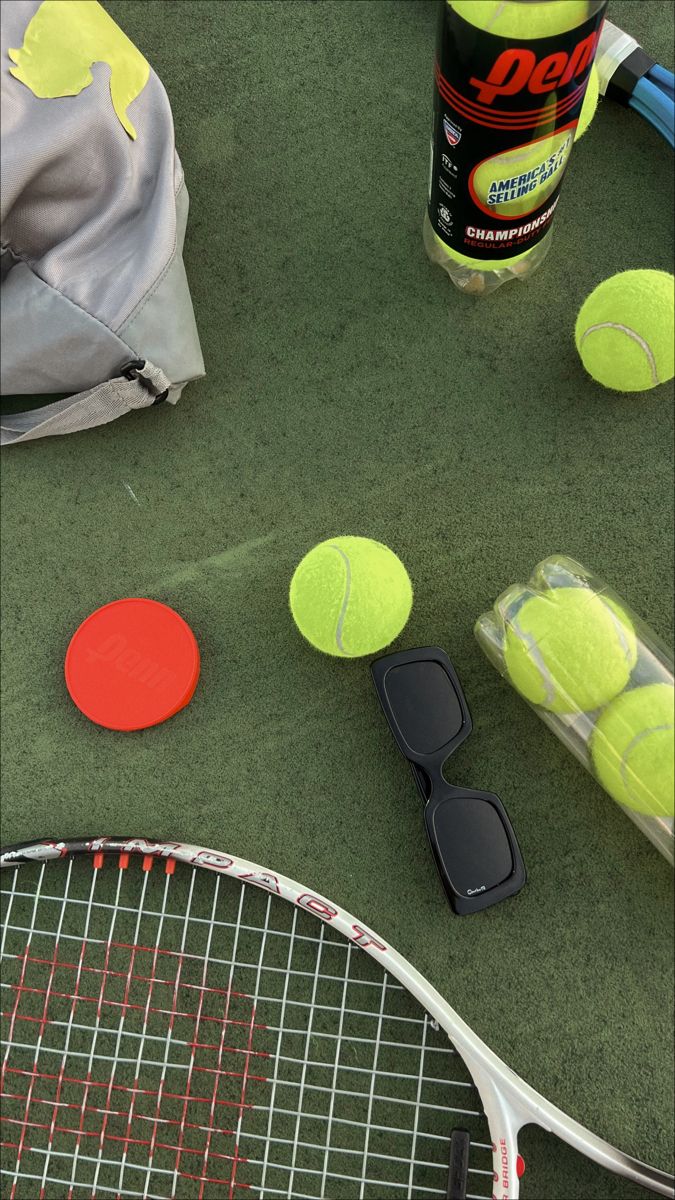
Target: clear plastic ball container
x=599, y=677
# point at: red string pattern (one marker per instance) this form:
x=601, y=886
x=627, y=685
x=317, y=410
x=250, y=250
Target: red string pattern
x=194, y=1041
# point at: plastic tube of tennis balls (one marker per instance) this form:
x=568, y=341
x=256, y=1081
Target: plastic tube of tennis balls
x=510, y=80
x=599, y=677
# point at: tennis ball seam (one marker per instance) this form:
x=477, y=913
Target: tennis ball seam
x=625, y=769
x=538, y=660
x=622, y=634
x=632, y=333
x=632, y=749
x=345, y=600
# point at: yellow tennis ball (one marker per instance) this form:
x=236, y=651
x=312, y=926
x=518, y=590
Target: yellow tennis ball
x=625, y=331
x=516, y=181
x=350, y=596
x=633, y=749
x=569, y=649
x=523, y=21
x=590, y=104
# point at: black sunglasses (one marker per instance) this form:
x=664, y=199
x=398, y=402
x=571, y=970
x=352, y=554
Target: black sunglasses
x=472, y=839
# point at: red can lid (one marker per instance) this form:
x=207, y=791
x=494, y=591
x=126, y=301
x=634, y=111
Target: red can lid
x=131, y=664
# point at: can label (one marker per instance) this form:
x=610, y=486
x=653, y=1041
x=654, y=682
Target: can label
x=505, y=114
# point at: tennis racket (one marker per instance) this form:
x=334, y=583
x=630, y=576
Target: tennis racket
x=630, y=76
x=173, y=1028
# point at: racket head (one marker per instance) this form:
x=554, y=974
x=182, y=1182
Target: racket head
x=168, y=1031
x=200, y=958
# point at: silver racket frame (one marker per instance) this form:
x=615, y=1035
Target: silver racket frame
x=509, y=1102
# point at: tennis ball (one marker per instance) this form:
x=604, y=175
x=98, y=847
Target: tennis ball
x=569, y=649
x=633, y=750
x=350, y=596
x=535, y=169
x=590, y=104
x=523, y=21
x=625, y=331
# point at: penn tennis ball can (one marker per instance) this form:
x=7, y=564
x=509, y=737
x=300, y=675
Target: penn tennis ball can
x=509, y=84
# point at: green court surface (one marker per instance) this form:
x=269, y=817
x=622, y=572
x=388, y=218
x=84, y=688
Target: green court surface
x=350, y=389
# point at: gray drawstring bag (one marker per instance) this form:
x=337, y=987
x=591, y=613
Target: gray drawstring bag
x=94, y=300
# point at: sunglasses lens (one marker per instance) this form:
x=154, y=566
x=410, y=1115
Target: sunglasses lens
x=424, y=705
x=470, y=844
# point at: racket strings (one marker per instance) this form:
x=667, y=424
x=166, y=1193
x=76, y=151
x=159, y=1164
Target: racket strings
x=180, y=1035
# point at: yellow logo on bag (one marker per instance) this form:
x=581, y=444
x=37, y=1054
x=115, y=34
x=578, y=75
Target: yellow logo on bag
x=62, y=41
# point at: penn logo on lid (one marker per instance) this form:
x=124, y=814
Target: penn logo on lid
x=132, y=664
